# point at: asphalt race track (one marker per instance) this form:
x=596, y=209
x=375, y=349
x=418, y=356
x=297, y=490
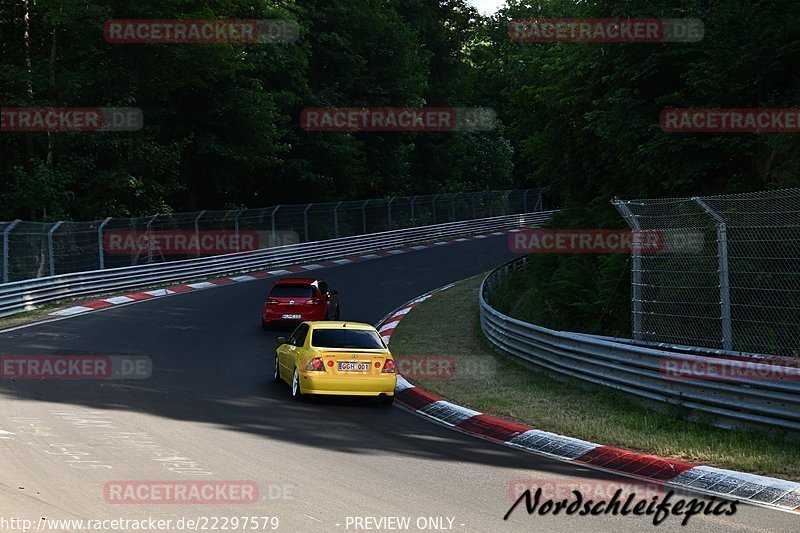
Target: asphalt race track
x=211, y=412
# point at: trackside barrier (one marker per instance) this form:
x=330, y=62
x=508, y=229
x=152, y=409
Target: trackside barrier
x=17, y=297
x=743, y=401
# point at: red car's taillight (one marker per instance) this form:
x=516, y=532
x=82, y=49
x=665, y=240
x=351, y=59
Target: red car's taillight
x=316, y=365
x=315, y=301
x=388, y=367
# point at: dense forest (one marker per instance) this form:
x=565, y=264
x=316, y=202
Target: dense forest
x=222, y=121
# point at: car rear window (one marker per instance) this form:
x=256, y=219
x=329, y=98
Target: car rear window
x=346, y=338
x=292, y=291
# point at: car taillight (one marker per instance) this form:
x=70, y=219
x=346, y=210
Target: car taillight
x=312, y=302
x=316, y=365
x=388, y=367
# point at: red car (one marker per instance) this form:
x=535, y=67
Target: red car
x=296, y=300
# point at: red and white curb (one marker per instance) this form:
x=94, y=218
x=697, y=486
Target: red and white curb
x=294, y=269
x=729, y=484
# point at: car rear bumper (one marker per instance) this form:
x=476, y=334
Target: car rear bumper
x=273, y=317
x=314, y=383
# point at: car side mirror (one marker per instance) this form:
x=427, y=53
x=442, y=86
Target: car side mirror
x=281, y=340
x=334, y=292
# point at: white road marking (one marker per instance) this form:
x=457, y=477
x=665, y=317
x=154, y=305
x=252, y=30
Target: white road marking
x=119, y=300
x=201, y=285
x=69, y=311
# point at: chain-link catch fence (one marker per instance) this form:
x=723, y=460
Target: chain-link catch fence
x=733, y=283
x=36, y=249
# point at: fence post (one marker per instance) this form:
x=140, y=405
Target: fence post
x=525, y=200
x=51, y=248
x=305, y=220
x=150, y=238
x=336, y=220
x=453, y=206
x=364, y=216
x=435, y=197
x=413, y=219
x=636, y=271
x=538, y=206
x=5, y=248
x=197, y=230
x=724, y=279
x=272, y=222
x=100, y=252
x=236, y=227
x=389, y=209
x=472, y=201
x=507, y=210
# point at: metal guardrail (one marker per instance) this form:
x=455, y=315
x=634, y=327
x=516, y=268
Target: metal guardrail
x=17, y=297
x=637, y=370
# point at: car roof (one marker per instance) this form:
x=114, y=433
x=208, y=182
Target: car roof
x=296, y=281
x=338, y=324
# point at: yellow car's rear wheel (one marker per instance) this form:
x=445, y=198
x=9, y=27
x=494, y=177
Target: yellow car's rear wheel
x=276, y=374
x=297, y=394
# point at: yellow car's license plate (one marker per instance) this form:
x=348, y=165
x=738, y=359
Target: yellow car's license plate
x=354, y=367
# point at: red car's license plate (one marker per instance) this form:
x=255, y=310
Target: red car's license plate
x=354, y=367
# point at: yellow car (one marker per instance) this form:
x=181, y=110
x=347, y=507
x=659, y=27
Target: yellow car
x=341, y=358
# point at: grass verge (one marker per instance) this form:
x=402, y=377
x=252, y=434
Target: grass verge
x=495, y=384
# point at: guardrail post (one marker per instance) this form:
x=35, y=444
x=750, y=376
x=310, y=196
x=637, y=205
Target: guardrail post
x=51, y=248
x=413, y=218
x=100, y=251
x=305, y=220
x=389, y=209
x=724, y=279
x=636, y=271
x=5, y=248
x=364, y=216
x=336, y=220
x=272, y=226
x=197, y=230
